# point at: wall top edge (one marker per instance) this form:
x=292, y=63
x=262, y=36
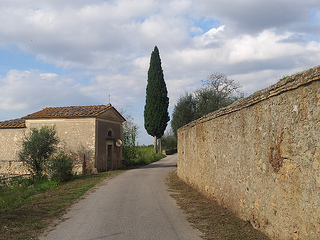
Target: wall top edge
x=290, y=83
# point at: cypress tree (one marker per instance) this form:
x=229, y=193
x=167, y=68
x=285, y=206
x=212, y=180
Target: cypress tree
x=156, y=114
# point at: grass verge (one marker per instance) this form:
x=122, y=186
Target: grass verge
x=145, y=155
x=26, y=211
x=212, y=220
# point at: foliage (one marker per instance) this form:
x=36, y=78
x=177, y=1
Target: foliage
x=18, y=191
x=37, y=148
x=130, y=132
x=156, y=114
x=146, y=155
x=217, y=91
x=169, y=141
x=27, y=206
x=60, y=167
x=184, y=112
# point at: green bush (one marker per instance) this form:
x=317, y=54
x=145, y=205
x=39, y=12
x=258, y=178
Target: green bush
x=37, y=147
x=60, y=167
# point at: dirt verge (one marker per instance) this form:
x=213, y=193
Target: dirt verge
x=214, y=221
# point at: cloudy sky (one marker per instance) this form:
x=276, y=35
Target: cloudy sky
x=65, y=53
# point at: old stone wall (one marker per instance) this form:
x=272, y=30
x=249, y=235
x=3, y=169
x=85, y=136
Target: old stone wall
x=260, y=157
x=11, y=140
x=77, y=137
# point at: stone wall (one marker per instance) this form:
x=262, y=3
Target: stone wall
x=77, y=137
x=260, y=157
x=11, y=140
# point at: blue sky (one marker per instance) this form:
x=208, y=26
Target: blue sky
x=63, y=53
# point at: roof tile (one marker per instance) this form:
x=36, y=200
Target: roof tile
x=66, y=112
x=15, y=123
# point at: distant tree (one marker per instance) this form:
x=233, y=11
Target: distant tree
x=129, y=135
x=184, y=112
x=225, y=89
x=217, y=91
x=37, y=148
x=169, y=140
x=156, y=114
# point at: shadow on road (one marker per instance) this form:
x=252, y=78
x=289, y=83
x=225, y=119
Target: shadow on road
x=159, y=166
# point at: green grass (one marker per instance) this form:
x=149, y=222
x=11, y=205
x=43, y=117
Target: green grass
x=146, y=155
x=19, y=191
x=27, y=207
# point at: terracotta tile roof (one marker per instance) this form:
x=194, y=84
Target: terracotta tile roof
x=66, y=112
x=15, y=123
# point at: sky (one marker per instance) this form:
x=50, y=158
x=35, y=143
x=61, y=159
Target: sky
x=89, y=52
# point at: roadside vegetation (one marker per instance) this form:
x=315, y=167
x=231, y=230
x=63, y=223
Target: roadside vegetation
x=132, y=154
x=27, y=206
x=146, y=155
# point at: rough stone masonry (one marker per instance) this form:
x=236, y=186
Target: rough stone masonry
x=260, y=157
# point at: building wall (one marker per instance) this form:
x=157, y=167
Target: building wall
x=103, y=128
x=260, y=157
x=80, y=137
x=77, y=137
x=10, y=145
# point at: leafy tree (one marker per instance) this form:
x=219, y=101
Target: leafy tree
x=156, y=114
x=217, y=91
x=37, y=147
x=129, y=134
x=184, y=111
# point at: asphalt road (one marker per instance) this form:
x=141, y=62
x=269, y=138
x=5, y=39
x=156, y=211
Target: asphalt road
x=133, y=205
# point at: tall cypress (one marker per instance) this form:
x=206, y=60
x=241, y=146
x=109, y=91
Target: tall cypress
x=156, y=114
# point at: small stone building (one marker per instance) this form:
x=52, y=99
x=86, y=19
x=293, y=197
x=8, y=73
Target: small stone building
x=92, y=133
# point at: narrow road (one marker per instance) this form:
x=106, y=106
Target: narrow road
x=133, y=205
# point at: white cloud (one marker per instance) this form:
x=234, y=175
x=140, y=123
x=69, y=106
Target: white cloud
x=22, y=90
x=210, y=38
x=251, y=16
x=106, y=45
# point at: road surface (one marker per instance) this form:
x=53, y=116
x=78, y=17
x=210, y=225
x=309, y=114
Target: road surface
x=133, y=205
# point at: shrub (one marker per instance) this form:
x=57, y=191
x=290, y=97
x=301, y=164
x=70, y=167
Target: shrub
x=60, y=167
x=37, y=148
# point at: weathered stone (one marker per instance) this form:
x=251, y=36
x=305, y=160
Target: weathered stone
x=260, y=157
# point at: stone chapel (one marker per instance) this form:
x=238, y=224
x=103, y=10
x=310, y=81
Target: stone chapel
x=88, y=133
